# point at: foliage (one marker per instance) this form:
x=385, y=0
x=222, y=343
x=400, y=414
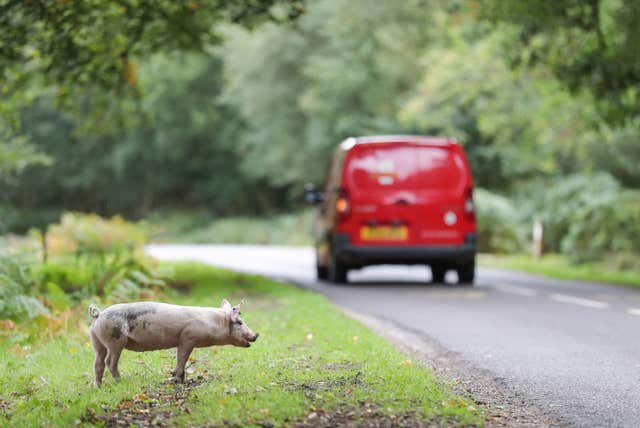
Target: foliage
x=514, y=125
x=588, y=217
x=91, y=50
x=88, y=256
x=617, y=151
x=93, y=42
x=182, y=150
x=586, y=44
x=284, y=229
x=91, y=256
x=118, y=276
x=18, y=291
x=589, y=47
x=603, y=227
x=500, y=229
x=89, y=233
x=344, y=77
x=16, y=154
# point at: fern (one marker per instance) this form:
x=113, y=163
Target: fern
x=16, y=288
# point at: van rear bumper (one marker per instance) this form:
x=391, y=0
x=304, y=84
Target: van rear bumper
x=362, y=255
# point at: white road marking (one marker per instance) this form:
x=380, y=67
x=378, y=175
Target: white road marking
x=520, y=291
x=634, y=311
x=563, y=298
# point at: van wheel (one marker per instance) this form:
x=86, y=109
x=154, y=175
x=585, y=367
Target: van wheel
x=466, y=273
x=337, y=270
x=438, y=273
x=322, y=272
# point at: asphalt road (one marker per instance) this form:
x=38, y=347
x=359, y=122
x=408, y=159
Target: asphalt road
x=568, y=346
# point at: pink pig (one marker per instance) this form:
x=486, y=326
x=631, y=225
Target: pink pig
x=148, y=326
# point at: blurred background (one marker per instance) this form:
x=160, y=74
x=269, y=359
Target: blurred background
x=205, y=121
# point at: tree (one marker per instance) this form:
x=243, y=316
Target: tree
x=182, y=153
x=514, y=125
x=72, y=46
x=591, y=47
x=342, y=69
x=588, y=45
x=94, y=41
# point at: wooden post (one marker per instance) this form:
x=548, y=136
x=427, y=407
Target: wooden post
x=537, y=239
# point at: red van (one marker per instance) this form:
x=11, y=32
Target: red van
x=396, y=200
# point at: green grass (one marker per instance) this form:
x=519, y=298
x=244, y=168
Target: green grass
x=310, y=361
x=558, y=266
x=283, y=229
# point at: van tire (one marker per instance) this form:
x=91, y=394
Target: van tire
x=466, y=273
x=322, y=272
x=337, y=270
x=438, y=273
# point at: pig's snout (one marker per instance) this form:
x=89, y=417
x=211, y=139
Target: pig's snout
x=251, y=339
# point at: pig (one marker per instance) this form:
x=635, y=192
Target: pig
x=148, y=326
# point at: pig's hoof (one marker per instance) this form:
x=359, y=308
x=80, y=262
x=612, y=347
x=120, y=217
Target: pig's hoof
x=96, y=384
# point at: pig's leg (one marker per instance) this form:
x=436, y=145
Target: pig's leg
x=98, y=365
x=183, y=352
x=112, y=360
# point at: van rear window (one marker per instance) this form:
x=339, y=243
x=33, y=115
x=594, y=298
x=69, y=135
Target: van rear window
x=404, y=167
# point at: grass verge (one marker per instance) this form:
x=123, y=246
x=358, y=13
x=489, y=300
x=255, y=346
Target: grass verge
x=200, y=228
x=312, y=366
x=558, y=266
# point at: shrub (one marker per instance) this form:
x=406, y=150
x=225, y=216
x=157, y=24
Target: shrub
x=499, y=227
x=93, y=256
x=588, y=217
x=605, y=226
x=90, y=233
x=69, y=276
x=17, y=300
x=118, y=276
x=283, y=229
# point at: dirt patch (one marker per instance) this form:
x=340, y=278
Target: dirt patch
x=367, y=416
x=340, y=366
x=153, y=407
x=5, y=407
x=323, y=385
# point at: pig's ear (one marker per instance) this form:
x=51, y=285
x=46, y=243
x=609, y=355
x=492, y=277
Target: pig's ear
x=225, y=305
x=235, y=313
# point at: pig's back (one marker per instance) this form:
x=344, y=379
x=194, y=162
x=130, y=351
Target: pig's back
x=150, y=325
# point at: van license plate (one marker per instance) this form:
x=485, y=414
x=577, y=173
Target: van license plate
x=395, y=233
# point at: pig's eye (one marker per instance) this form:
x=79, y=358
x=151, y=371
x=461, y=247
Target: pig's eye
x=239, y=322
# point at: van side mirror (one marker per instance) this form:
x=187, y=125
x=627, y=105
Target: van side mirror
x=312, y=196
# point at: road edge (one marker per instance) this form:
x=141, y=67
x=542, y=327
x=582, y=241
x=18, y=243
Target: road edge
x=504, y=407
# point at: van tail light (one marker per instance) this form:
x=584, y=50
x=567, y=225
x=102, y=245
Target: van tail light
x=343, y=205
x=469, y=209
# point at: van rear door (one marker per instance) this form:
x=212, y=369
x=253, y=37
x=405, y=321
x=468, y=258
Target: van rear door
x=382, y=182
x=404, y=194
x=443, y=177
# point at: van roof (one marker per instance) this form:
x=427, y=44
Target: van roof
x=416, y=139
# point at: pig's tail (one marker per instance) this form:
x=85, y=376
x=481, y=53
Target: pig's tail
x=94, y=311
